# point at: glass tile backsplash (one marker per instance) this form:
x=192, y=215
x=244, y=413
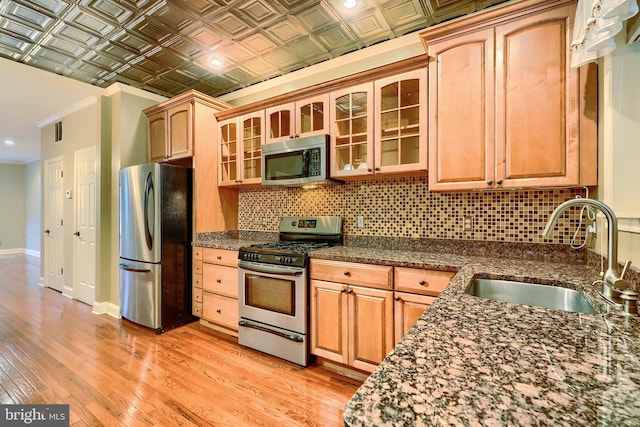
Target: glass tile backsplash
x=402, y=207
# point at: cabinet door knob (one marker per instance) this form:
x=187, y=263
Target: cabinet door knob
x=350, y=291
x=499, y=182
x=422, y=283
x=218, y=281
x=346, y=273
x=376, y=169
x=219, y=257
x=369, y=170
x=397, y=298
x=490, y=182
x=343, y=290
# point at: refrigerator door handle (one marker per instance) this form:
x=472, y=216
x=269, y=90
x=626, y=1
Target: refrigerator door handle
x=125, y=267
x=148, y=189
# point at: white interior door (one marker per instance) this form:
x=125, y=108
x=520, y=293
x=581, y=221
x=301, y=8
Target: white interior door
x=85, y=221
x=54, y=224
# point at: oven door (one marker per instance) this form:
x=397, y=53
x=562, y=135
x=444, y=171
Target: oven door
x=273, y=295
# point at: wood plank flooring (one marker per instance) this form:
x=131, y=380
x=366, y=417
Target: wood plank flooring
x=111, y=372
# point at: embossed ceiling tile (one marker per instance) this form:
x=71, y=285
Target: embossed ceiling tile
x=116, y=51
x=172, y=17
x=53, y=7
x=13, y=45
x=53, y=57
x=260, y=69
x=259, y=12
x=45, y=64
x=206, y=36
x=163, y=85
x=89, y=68
x=68, y=48
x=292, y=5
x=27, y=16
x=19, y=30
x=206, y=88
x=233, y=52
x=179, y=77
x=132, y=42
x=88, y=22
x=103, y=61
x=258, y=43
x=285, y=31
x=229, y=24
x=168, y=58
x=406, y=15
x=336, y=39
x=308, y=49
x=116, y=12
x=151, y=67
x=316, y=17
x=136, y=74
x=370, y=27
x=283, y=59
x=186, y=49
x=75, y=35
x=448, y=9
x=145, y=28
x=241, y=76
x=201, y=7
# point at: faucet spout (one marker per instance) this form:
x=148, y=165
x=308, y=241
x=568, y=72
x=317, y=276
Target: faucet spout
x=612, y=277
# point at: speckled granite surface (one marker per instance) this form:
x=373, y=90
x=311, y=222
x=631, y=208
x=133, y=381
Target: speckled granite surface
x=470, y=361
x=233, y=240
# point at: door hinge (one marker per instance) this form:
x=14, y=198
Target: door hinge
x=62, y=222
x=61, y=271
x=61, y=174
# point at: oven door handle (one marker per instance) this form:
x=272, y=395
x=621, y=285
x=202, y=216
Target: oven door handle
x=271, y=269
x=290, y=337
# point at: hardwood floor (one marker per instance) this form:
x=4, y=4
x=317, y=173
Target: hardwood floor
x=111, y=372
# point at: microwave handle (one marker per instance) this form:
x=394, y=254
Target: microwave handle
x=305, y=163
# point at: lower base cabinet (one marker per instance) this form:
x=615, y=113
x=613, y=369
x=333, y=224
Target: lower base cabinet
x=407, y=309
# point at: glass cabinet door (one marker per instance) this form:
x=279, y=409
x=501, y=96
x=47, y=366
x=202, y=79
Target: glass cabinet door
x=312, y=116
x=252, y=140
x=280, y=123
x=401, y=123
x=352, y=131
x=228, y=152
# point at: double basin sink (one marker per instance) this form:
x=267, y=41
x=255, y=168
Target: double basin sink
x=535, y=294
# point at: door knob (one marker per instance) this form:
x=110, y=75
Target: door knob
x=47, y=231
x=77, y=233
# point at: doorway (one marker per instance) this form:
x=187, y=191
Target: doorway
x=54, y=224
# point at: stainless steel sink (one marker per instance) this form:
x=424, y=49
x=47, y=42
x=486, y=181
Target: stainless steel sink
x=547, y=296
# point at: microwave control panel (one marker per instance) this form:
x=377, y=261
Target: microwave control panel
x=314, y=162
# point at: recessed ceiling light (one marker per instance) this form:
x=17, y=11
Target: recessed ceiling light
x=216, y=62
x=349, y=4
x=9, y=142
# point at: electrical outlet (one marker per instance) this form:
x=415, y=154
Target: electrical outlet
x=360, y=220
x=467, y=224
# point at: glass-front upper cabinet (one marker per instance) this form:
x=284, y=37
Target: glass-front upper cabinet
x=298, y=119
x=228, y=133
x=401, y=123
x=351, y=119
x=241, y=140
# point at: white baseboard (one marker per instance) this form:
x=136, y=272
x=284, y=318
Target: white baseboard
x=106, y=307
x=32, y=252
x=12, y=251
x=41, y=282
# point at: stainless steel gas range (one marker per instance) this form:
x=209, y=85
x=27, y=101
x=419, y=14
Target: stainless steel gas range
x=274, y=287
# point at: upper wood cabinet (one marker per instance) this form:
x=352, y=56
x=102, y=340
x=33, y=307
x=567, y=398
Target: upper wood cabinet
x=241, y=142
x=171, y=133
x=351, y=121
x=401, y=123
x=183, y=130
x=302, y=118
x=523, y=122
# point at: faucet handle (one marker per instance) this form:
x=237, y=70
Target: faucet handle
x=625, y=268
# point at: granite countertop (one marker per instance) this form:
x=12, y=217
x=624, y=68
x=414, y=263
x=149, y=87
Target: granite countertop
x=476, y=362
x=233, y=240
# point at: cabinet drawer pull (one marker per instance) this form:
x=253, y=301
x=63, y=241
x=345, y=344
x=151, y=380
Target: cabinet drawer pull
x=346, y=273
x=422, y=283
x=218, y=280
x=219, y=257
x=218, y=311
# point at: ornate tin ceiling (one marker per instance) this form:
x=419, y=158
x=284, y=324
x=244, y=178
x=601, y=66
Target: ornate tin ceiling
x=168, y=46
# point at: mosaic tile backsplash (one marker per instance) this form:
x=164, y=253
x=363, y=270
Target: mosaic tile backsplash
x=403, y=207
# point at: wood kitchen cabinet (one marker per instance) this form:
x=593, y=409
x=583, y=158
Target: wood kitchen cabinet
x=505, y=109
x=415, y=289
x=182, y=130
x=302, y=118
x=351, y=312
x=215, y=288
x=241, y=142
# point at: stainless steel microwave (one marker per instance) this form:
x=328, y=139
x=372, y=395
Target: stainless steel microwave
x=296, y=162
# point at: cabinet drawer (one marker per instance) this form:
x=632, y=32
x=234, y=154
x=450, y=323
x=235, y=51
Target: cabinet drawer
x=197, y=253
x=371, y=275
x=197, y=295
x=220, y=257
x=196, y=310
x=197, y=267
x=421, y=281
x=220, y=310
x=197, y=281
x=220, y=279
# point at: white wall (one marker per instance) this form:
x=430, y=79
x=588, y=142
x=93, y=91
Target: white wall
x=12, y=196
x=33, y=208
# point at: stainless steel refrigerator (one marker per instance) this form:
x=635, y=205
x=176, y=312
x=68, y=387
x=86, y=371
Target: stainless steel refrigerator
x=155, y=245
